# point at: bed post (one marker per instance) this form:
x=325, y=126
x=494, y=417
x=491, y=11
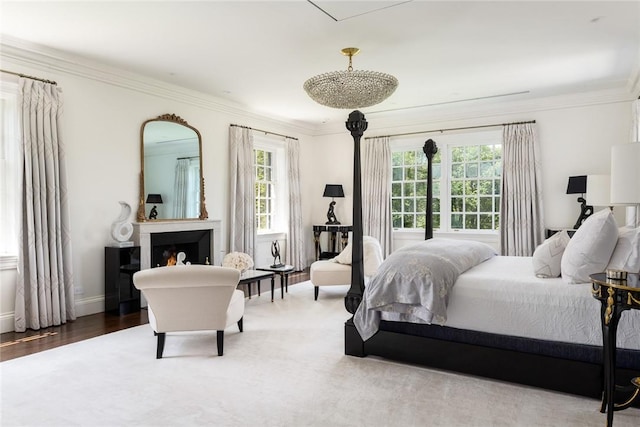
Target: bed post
x=353, y=344
x=430, y=149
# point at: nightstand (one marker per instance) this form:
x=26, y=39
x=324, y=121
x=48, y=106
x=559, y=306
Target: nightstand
x=617, y=291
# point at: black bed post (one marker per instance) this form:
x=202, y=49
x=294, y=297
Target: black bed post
x=353, y=344
x=430, y=149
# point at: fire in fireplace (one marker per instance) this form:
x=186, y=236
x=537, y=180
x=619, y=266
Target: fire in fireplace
x=165, y=247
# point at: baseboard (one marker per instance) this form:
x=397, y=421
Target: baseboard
x=84, y=307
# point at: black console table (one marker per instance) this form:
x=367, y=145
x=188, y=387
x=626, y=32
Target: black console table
x=333, y=231
x=617, y=293
x=120, y=295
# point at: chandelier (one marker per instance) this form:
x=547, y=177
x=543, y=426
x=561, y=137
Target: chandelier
x=350, y=89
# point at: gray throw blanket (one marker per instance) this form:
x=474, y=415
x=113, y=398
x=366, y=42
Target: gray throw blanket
x=413, y=283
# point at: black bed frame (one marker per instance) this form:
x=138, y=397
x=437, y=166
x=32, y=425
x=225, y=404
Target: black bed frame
x=565, y=374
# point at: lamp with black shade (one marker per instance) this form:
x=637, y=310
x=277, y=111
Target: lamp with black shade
x=578, y=185
x=333, y=191
x=155, y=199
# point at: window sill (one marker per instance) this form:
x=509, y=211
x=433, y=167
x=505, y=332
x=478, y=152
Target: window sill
x=8, y=262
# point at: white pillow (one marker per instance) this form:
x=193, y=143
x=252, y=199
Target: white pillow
x=626, y=255
x=548, y=256
x=372, y=254
x=590, y=248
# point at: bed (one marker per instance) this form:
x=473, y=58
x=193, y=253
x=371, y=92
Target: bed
x=502, y=322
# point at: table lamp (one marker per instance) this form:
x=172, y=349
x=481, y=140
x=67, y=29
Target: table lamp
x=625, y=179
x=578, y=185
x=333, y=191
x=155, y=199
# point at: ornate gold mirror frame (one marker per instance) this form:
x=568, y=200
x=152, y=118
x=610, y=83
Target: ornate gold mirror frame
x=174, y=139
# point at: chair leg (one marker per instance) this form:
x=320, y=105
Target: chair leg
x=220, y=342
x=240, y=324
x=160, y=348
x=315, y=292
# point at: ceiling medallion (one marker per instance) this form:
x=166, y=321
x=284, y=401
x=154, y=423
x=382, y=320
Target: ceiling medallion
x=352, y=88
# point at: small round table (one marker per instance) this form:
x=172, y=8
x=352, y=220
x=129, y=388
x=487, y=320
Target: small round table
x=617, y=291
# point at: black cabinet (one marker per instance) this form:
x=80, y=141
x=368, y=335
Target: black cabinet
x=332, y=248
x=120, y=296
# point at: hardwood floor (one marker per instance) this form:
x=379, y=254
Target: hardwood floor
x=14, y=344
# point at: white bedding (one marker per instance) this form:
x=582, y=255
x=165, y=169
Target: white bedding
x=503, y=296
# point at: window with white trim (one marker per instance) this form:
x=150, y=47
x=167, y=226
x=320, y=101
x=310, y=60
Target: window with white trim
x=271, y=191
x=9, y=169
x=465, y=198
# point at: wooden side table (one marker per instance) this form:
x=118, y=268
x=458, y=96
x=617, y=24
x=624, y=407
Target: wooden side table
x=333, y=230
x=283, y=272
x=250, y=276
x=616, y=295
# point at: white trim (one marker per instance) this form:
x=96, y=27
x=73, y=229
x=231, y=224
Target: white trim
x=8, y=262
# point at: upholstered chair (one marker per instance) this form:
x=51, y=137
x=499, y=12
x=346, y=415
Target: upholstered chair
x=337, y=271
x=191, y=298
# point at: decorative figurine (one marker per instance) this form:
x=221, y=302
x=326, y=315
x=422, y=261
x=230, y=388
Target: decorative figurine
x=331, y=216
x=275, y=252
x=121, y=228
x=153, y=214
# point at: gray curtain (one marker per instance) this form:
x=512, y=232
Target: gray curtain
x=44, y=288
x=241, y=191
x=180, y=188
x=376, y=191
x=521, y=213
x=296, y=241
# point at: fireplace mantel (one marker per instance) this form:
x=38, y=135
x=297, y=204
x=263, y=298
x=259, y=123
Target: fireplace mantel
x=142, y=232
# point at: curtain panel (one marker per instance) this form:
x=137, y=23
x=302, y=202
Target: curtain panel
x=521, y=211
x=633, y=212
x=296, y=241
x=44, y=288
x=241, y=191
x=180, y=188
x=376, y=191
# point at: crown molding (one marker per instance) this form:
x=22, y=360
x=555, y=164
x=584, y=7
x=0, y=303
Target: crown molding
x=46, y=59
x=474, y=110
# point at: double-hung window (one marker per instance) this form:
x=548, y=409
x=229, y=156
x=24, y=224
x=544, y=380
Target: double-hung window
x=466, y=172
x=270, y=190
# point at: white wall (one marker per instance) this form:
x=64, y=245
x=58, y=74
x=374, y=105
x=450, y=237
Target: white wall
x=101, y=125
x=101, y=132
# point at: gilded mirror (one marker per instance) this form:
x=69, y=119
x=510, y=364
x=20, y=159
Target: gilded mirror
x=171, y=182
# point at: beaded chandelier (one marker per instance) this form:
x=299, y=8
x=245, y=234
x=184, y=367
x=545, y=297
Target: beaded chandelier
x=350, y=89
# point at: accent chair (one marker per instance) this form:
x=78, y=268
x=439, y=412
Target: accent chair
x=191, y=298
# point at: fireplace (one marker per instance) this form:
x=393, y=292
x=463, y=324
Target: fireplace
x=171, y=232
x=195, y=244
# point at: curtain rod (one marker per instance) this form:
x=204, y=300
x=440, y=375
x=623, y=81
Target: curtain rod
x=265, y=131
x=29, y=77
x=188, y=158
x=452, y=129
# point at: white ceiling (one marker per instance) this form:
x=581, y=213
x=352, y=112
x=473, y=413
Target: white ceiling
x=258, y=54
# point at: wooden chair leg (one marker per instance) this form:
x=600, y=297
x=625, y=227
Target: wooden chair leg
x=220, y=342
x=160, y=348
x=240, y=324
x=315, y=292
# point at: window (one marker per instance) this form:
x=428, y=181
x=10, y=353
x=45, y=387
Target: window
x=465, y=198
x=263, y=163
x=9, y=170
x=271, y=190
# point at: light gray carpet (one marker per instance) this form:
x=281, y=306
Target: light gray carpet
x=286, y=369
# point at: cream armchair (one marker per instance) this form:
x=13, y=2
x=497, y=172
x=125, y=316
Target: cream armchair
x=191, y=298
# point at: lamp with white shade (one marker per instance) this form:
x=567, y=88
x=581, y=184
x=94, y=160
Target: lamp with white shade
x=625, y=179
